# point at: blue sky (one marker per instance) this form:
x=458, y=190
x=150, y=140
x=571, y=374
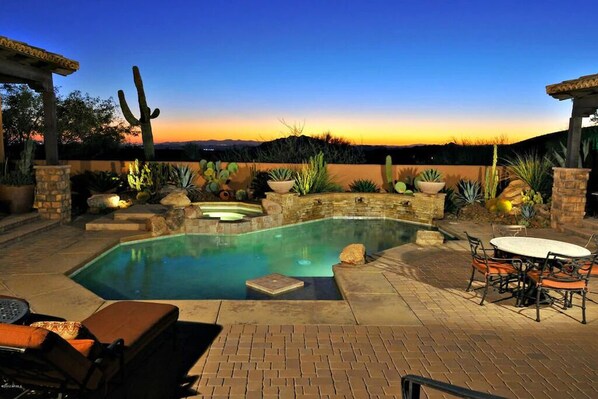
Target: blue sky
x=391, y=72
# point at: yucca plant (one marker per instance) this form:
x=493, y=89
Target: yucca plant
x=102, y=181
x=533, y=170
x=281, y=174
x=363, y=186
x=469, y=192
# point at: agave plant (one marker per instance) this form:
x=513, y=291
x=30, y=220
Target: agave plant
x=430, y=175
x=528, y=211
x=184, y=177
x=281, y=174
x=469, y=192
x=363, y=186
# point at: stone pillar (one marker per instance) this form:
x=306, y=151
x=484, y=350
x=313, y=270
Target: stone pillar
x=568, y=196
x=53, y=192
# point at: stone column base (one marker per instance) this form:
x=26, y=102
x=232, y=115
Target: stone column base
x=53, y=192
x=568, y=196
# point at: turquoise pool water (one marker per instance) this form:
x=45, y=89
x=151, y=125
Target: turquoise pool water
x=217, y=266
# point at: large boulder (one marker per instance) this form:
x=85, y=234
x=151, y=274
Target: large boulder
x=103, y=201
x=177, y=199
x=156, y=225
x=353, y=254
x=428, y=238
x=175, y=217
x=513, y=192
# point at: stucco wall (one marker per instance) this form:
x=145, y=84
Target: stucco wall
x=343, y=174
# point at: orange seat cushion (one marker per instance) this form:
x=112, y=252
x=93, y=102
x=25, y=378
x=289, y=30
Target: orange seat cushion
x=551, y=283
x=87, y=347
x=494, y=267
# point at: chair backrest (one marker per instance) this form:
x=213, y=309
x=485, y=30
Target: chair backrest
x=509, y=230
x=38, y=358
x=564, y=268
x=592, y=243
x=477, y=248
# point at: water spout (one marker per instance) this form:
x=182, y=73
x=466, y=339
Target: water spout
x=359, y=200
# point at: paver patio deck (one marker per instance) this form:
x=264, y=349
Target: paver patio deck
x=419, y=320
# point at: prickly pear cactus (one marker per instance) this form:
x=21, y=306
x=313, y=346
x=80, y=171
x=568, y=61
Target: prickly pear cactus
x=216, y=176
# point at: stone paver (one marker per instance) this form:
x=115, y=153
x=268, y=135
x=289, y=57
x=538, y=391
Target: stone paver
x=284, y=349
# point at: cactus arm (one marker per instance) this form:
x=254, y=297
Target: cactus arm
x=126, y=110
x=155, y=114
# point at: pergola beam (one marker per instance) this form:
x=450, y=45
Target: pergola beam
x=22, y=63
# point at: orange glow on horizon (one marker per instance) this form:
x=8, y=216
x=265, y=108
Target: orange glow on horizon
x=375, y=131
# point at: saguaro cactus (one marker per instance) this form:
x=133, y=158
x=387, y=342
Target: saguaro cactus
x=145, y=118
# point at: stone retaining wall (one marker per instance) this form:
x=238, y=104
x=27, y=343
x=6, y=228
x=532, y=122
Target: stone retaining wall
x=419, y=207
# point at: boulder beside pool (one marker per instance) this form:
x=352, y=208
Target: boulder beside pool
x=353, y=254
x=177, y=199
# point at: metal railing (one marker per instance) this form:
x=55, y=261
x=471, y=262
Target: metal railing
x=411, y=387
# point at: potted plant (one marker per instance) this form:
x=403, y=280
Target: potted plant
x=281, y=180
x=430, y=181
x=17, y=187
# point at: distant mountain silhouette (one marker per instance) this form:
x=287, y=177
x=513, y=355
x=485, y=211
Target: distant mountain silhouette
x=209, y=143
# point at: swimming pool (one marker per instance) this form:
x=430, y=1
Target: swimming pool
x=217, y=266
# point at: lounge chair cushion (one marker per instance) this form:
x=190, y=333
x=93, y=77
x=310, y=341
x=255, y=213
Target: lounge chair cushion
x=40, y=344
x=137, y=323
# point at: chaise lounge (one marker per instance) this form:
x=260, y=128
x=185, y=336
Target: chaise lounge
x=124, y=339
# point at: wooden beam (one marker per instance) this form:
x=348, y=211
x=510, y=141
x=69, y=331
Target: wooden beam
x=573, y=142
x=26, y=74
x=50, y=127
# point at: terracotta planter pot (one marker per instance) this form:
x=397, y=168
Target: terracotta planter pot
x=281, y=187
x=17, y=199
x=224, y=195
x=430, y=187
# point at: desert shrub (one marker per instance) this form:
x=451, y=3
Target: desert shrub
x=533, y=169
x=313, y=177
x=363, y=186
x=259, y=184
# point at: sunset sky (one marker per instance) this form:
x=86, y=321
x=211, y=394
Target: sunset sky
x=375, y=72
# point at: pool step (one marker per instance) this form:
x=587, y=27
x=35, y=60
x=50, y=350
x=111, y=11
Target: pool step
x=107, y=223
x=14, y=231
x=140, y=212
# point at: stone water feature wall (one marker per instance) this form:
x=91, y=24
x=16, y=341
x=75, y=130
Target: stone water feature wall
x=568, y=196
x=53, y=192
x=419, y=207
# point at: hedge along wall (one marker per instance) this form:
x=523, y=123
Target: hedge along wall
x=343, y=174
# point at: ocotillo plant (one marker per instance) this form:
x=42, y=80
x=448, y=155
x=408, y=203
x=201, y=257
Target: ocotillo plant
x=145, y=117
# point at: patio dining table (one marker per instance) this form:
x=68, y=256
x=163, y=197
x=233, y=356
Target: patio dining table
x=536, y=248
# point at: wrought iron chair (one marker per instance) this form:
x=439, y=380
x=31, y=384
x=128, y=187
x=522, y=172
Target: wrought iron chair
x=566, y=274
x=495, y=270
x=509, y=230
x=592, y=243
